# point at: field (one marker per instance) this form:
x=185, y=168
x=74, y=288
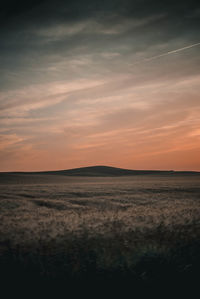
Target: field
x=143, y=231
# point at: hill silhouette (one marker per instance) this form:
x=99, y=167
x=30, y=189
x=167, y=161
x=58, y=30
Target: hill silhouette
x=101, y=170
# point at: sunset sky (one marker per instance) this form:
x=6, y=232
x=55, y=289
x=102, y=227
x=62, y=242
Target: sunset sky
x=105, y=82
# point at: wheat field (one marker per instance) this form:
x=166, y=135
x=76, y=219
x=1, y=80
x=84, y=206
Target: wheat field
x=141, y=229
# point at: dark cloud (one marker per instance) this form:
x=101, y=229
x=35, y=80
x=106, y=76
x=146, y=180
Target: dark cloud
x=20, y=15
x=83, y=9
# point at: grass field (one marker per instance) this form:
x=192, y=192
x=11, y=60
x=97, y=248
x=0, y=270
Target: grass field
x=140, y=232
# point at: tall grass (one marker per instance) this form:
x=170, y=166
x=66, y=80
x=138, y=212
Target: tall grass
x=134, y=234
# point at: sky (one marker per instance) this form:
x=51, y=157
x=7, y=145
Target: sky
x=99, y=83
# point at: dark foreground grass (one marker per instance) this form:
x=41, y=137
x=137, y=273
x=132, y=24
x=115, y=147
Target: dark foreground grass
x=129, y=236
x=163, y=260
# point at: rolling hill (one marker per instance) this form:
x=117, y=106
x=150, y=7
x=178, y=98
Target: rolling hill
x=101, y=170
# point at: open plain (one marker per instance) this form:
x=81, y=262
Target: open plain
x=143, y=230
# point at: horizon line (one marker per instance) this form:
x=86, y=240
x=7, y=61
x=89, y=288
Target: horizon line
x=90, y=166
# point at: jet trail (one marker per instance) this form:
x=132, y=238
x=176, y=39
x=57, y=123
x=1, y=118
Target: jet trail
x=171, y=52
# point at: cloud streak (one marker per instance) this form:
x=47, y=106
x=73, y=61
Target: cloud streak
x=172, y=52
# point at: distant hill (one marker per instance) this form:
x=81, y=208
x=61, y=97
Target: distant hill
x=102, y=171
x=98, y=171
x=111, y=171
x=105, y=171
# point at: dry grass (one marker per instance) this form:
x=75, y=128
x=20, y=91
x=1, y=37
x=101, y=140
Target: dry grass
x=140, y=229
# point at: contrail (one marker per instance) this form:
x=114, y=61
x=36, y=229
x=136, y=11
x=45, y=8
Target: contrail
x=172, y=52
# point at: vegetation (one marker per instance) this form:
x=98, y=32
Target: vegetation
x=131, y=234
